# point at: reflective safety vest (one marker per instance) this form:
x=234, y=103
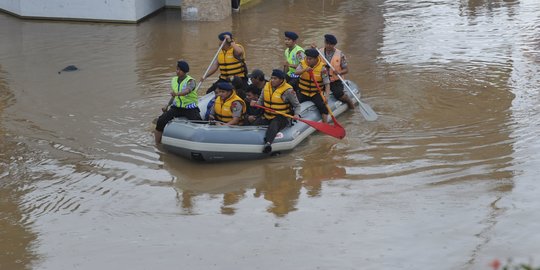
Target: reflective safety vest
x=336, y=63
x=306, y=84
x=229, y=66
x=273, y=99
x=292, y=60
x=188, y=101
x=223, y=110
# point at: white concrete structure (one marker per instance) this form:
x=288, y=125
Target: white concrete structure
x=107, y=10
x=205, y=10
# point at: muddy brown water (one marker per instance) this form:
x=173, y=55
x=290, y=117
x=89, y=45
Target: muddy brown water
x=446, y=178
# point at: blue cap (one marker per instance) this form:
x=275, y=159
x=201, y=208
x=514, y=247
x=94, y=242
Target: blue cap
x=312, y=52
x=330, y=39
x=225, y=86
x=222, y=35
x=278, y=73
x=183, y=66
x=291, y=35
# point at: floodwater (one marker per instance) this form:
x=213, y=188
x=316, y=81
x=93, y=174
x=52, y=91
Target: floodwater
x=446, y=178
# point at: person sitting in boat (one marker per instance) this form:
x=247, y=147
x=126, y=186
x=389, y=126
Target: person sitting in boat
x=238, y=86
x=183, y=100
x=307, y=87
x=257, y=79
x=210, y=106
x=231, y=62
x=252, y=113
x=229, y=108
x=294, y=54
x=339, y=62
x=253, y=91
x=277, y=95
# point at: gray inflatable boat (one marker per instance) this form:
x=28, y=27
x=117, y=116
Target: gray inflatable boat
x=202, y=141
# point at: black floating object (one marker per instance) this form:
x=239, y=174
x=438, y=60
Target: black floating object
x=69, y=68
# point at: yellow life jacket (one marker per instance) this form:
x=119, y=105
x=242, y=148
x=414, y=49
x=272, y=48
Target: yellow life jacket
x=223, y=110
x=336, y=63
x=229, y=66
x=273, y=99
x=306, y=84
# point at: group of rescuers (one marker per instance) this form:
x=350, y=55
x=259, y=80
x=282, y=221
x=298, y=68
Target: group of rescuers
x=235, y=100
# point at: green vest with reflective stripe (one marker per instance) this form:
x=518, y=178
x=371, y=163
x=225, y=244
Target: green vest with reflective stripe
x=188, y=101
x=292, y=60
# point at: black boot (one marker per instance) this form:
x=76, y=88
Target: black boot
x=267, y=148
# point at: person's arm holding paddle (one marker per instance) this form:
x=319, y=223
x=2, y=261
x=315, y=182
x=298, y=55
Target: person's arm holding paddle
x=238, y=50
x=300, y=70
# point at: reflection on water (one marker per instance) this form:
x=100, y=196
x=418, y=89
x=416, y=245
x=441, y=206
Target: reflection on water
x=16, y=237
x=277, y=182
x=450, y=165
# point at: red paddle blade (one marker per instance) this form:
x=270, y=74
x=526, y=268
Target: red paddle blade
x=335, y=130
x=335, y=121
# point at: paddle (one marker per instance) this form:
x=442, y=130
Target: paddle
x=366, y=110
x=333, y=131
x=213, y=60
x=205, y=73
x=336, y=124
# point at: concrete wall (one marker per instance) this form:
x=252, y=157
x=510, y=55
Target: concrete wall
x=108, y=10
x=205, y=10
x=145, y=7
x=116, y=10
x=13, y=6
x=173, y=3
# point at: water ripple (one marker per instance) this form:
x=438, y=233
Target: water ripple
x=435, y=34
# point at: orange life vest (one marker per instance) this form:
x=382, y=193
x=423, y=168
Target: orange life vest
x=336, y=63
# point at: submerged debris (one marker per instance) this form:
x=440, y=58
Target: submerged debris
x=69, y=68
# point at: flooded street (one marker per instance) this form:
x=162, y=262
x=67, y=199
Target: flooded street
x=446, y=178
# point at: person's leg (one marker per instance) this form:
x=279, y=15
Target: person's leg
x=162, y=121
x=337, y=89
x=274, y=127
x=192, y=114
x=321, y=106
x=302, y=97
x=276, y=124
x=261, y=121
